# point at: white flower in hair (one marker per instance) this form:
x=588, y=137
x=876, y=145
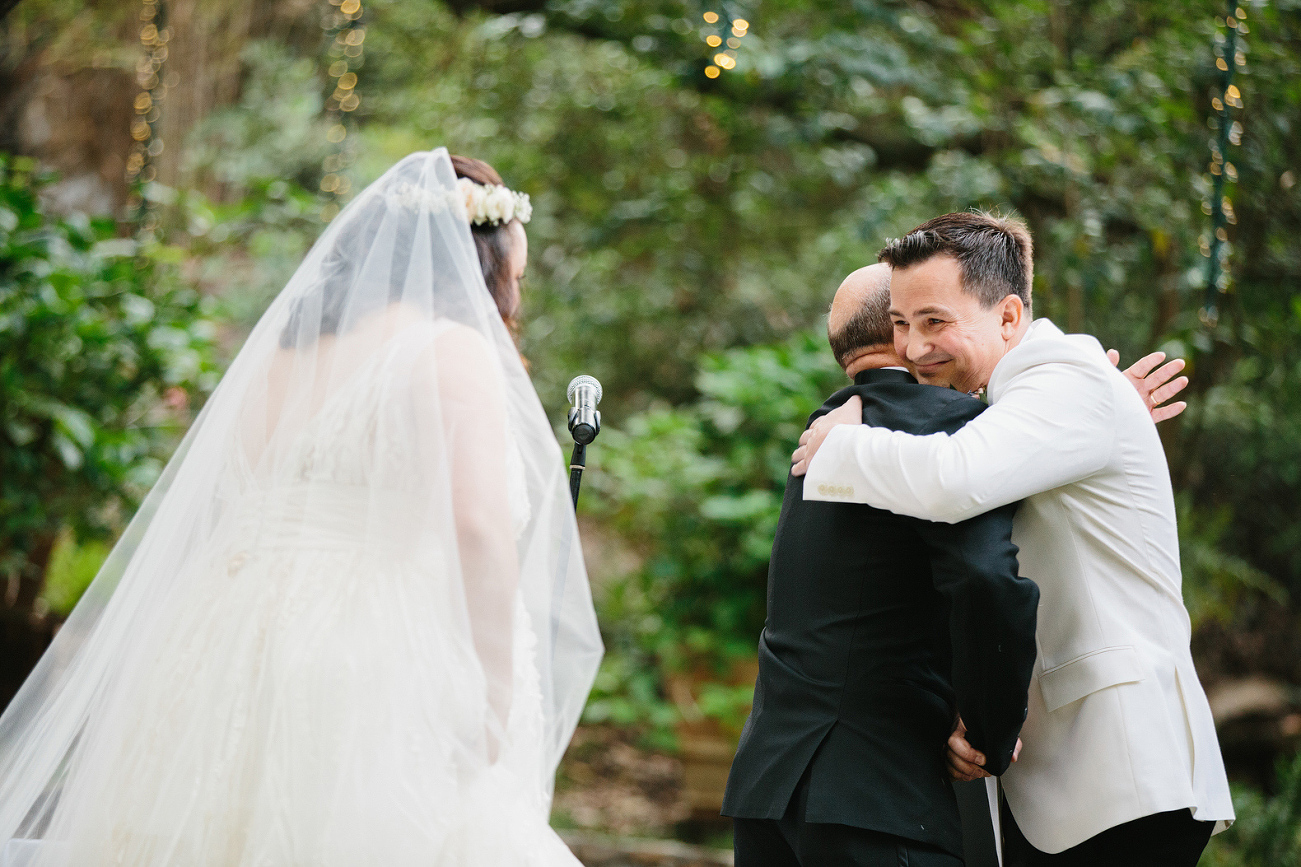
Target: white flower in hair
x=418, y=198
x=500, y=205
x=493, y=204
x=523, y=207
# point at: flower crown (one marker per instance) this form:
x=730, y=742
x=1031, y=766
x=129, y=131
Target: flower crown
x=493, y=204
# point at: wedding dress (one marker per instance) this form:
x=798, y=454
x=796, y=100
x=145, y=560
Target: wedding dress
x=351, y=625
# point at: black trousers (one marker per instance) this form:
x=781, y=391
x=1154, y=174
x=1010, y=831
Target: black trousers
x=792, y=842
x=1173, y=839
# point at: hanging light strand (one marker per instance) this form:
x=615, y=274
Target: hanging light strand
x=146, y=143
x=346, y=54
x=1230, y=55
x=723, y=35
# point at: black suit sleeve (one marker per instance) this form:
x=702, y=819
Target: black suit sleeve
x=992, y=615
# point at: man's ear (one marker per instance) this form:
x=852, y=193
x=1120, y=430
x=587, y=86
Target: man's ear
x=1012, y=314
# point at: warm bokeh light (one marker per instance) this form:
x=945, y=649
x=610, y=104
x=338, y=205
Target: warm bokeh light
x=713, y=40
x=711, y=17
x=712, y=71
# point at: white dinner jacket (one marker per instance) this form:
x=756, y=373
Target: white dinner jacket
x=1118, y=726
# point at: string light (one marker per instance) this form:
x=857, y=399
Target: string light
x=724, y=59
x=347, y=49
x=146, y=144
x=1229, y=132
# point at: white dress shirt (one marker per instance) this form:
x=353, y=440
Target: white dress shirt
x=1118, y=725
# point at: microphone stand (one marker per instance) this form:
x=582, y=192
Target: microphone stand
x=577, y=463
x=583, y=434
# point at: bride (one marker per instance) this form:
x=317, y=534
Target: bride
x=350, y=625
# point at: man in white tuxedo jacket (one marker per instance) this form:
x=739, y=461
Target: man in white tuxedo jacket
x=1120, y=765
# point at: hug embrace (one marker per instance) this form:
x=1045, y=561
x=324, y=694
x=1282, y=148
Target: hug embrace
x=950, y=574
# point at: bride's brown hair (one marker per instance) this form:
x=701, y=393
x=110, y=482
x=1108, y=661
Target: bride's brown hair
x=491, y=242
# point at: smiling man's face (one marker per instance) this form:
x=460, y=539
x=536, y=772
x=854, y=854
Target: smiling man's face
x=943, y=333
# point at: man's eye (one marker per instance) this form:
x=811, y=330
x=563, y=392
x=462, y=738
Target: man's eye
x=898, y=324
x=934, y=322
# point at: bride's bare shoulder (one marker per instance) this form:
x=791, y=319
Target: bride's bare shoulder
x=456, y=356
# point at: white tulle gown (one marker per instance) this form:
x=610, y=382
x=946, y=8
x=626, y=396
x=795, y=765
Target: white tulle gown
x=306, y=661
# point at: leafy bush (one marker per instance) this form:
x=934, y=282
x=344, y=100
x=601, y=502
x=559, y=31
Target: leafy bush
x=1267, y=832
x=101, y=352
x=71, y=568
x=697, y=490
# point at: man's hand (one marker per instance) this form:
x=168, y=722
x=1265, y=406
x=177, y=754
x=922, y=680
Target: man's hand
x=850, y=412
x=1154, y=384
x=965, y=761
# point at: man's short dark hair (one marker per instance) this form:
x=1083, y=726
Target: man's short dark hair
x=869, y=326
x=995, y=253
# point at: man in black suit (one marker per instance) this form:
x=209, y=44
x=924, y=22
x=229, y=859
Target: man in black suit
x=881, y=629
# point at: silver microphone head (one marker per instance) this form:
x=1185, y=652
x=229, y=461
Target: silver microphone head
x=578, y=382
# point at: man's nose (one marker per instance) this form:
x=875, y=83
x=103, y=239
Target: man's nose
x=918, y=347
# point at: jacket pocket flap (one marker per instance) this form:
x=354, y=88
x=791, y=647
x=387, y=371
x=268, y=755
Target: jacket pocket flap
x=1095, y=670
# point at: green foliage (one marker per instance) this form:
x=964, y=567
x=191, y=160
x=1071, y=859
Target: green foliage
x=275, y=132
x=628, y=692
x=1267, y=832
x=100, y=353
x=698, y=490
x=71, y=568
x=1215, y=581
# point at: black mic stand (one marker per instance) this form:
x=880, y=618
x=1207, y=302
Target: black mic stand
x=583, y=434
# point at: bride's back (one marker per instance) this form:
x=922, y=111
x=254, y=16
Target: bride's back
x=345, y=408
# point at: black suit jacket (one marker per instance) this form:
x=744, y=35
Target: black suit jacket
x=880, y=629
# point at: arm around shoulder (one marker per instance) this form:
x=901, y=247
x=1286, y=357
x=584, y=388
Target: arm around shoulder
x=1051, y=425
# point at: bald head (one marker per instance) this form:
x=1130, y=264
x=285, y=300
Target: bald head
x=859, y=319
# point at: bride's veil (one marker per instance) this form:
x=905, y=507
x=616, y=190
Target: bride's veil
x=378, y=423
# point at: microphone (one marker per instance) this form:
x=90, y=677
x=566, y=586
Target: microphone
x=584, y=421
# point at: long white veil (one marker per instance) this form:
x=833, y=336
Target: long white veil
x=354, y=594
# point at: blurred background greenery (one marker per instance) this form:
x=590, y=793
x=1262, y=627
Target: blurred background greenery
x=704, y=172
